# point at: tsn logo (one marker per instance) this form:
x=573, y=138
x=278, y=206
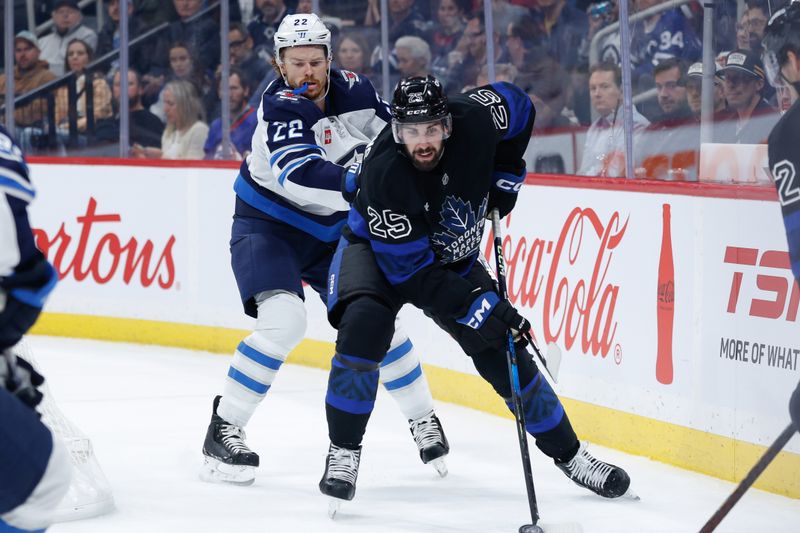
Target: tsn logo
x=762, y=264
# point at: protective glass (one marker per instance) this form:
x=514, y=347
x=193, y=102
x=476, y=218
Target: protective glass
x=772, y=66
x=422, y=132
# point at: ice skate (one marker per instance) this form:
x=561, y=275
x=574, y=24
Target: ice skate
x=604, y=479
x=339, y=479
x=227, y=457
x=431, y=441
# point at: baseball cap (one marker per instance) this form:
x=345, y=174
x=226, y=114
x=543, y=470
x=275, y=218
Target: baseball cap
x=745, y=60
x=69, y=3
x=696, y=70
x=26, y=35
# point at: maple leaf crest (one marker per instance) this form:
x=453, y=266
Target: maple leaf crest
x=459, y=221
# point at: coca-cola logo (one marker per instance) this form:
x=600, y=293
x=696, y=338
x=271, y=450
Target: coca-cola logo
x=576, y=307
x=109, y=255
x=666, y=292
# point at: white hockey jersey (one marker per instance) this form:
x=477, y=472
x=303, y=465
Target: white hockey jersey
x=300, y=154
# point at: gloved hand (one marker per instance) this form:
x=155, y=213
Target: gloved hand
x=20, y=379
x=493, y=318
x=350, y=181
x=794, y=407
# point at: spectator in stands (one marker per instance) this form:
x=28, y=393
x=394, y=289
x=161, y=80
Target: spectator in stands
x=243, y=121
x=183, y=64
x=565, y=26
x=447, y=30
x=502, y=72
x=405, y=18
x=30, y=72
x=753, y=117
x=108, y=37
x=186, y=130
x=743, y=32
x=145, y=128
x=352, y=53
x=79, y=55
x=549, y=96
x=268, y=16
x=465, y=66
x=661, y=36
x=505, y=12
x=670, y=80
x=153, y=12
x=600, y=15
x=694, y=84
x=523, y=41
x=67, y=25
x=242, y=55
x=200, y=34
x=413, y=56
x=604, y=149
x=757, y=17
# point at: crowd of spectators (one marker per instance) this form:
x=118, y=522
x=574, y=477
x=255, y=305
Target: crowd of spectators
x=547, y=47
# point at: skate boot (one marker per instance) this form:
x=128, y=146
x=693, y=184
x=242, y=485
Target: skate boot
x=431, y=442
x=607, y=480
x=339, y=479
x=227, y=457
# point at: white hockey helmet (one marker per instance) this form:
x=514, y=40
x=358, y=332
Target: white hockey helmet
x=302, y=30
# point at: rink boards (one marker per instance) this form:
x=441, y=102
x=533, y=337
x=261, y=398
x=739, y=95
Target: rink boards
x=143, y=253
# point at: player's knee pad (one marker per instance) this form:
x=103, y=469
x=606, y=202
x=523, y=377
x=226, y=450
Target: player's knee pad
x=280, y=327
x=352, y=384
x=36, y=512
x=365, y=329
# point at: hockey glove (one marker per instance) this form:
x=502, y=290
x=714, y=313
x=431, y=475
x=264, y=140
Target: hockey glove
x=350, y=182
x=506, y=184
x=21, y=379
x=493, y=318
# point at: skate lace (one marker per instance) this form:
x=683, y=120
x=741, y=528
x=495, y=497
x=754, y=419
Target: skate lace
x=343, y=464
x=233, y=439
x=589, y=470
x=426, y=431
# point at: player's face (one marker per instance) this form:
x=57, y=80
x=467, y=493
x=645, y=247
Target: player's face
x=306, y=64
x=604, y=92
x=424, y=143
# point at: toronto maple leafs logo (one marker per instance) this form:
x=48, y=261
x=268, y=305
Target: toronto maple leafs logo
x=463, y=229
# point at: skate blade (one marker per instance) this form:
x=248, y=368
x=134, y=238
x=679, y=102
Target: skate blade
x=215, y=471
x=630, y=495
x=333, y=507
x=440, y=465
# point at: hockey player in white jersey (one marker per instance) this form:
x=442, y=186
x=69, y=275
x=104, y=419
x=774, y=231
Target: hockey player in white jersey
x=314, y=123
x=34, y=467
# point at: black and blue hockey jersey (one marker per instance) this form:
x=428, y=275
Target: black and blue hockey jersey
x=425, y=228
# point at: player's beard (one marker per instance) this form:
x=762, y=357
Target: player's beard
x=428, y=164
x=316, y=92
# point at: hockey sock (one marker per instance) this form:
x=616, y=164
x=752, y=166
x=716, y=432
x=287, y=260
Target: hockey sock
x=546, y=420
x=401, y=375
x=250, y=376
x=352, y=386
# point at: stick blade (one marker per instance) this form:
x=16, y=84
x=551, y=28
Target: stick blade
x=553, y=360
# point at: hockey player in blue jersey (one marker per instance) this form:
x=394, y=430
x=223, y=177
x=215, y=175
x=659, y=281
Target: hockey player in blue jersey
x=313, y=124
x=782, y=62
x=413, y=235
x=34, y=468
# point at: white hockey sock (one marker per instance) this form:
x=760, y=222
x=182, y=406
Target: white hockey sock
x=250, y=376
x=402, y=376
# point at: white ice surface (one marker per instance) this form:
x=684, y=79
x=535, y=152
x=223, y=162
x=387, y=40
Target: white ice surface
x=146, y=410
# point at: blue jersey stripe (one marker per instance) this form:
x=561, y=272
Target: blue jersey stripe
x=397, y=353
x=249, y=195
x=519, y=106
x=404, y=381
x=15, y=187
x=292, y=147
x=293, y=166
x=247, y=381
x=404, y=248
x=260, y=358
x=398, y=269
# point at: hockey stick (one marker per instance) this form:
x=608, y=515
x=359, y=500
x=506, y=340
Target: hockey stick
x=513, y=371
x=751, y=477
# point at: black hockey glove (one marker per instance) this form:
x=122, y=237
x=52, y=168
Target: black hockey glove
x=493, y=318
x=20, y=379
x=503, y=201
x=794, y=407
x=16, y=318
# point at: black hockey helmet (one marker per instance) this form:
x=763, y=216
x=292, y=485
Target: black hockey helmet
x=781, y=35
x=420, y=100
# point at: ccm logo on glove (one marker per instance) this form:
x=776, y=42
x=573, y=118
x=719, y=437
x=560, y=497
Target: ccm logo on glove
x=480, y=310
